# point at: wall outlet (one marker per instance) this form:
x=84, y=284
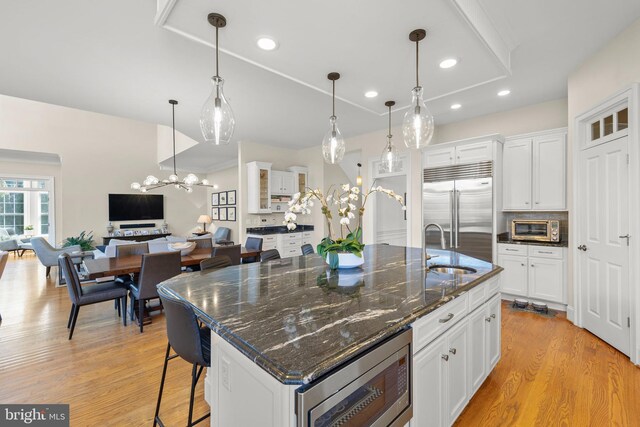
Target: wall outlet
x=263, y=219
x=225, y=373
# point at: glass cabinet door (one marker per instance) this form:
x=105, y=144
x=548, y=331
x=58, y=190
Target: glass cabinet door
x=302, y=182
x=264, y=189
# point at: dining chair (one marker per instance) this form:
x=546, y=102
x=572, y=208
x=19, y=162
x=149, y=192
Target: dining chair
x=132, y=249
x=222, y=236
x=201, y=243
x=191, y=342
x=90, y=294
x=155, y=268
x=4, y=256
x=269, y=255
x=252, y=244
x=307, y=249
x=233, y=252
x=215, y=263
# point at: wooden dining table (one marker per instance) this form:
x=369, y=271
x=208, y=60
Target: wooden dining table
x=105, y=267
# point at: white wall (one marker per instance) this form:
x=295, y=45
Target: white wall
x=100, y=154
x=226, y=179
x=334, y=177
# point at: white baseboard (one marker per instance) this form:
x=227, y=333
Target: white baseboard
x=571, y=313
x=552, y=305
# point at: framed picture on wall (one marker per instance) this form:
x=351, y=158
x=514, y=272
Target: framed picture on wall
x=231, y=214
x=231, y=197
x=223, y=214
x=215, y=199
x=215, y=214
x=223, y=198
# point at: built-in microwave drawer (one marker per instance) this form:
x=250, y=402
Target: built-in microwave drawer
x=507, y=249
x=427, y=328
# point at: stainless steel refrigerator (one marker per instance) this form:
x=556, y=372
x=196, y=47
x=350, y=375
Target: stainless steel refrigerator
x=460, y=199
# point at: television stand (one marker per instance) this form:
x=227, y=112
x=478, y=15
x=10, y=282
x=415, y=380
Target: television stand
x=139, y=238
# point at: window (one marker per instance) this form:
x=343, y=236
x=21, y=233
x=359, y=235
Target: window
x=44, y=213
x=12, y=211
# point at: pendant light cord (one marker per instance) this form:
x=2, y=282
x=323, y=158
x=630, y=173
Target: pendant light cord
x=389, y=135
x=333, y=97
x=417, y=61
x=173, y=124
x=217, y=58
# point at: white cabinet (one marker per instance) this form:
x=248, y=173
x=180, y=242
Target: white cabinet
x=458, y=154
x=533, y=271
x=428, y=385
x=457, y=366
x=258, y=187
x=301, y=178
x=535, y=173
x=494, y=331
x=282, y=183
x=517, y=175
x=484, y=342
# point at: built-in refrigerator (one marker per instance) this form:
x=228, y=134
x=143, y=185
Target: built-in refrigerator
x=459, y=198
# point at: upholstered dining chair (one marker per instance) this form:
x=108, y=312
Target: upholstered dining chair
x=48, y=255
x=4, y=256
x=90, y=294
x=132, y=249
x=191, y=342
x=222, y=236
x=155, y=269
x=269, y=255
x=233, y=252
x=307, y=249
x=202, y=243
x=215, y=263
x=253, y=244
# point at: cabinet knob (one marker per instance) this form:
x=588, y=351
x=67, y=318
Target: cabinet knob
x=452, y=350
x=537, y=203
x=445, y=357
x=487, y=319
x=522, y=264
x=493, y=316
x=532, y=265
x=526, y=203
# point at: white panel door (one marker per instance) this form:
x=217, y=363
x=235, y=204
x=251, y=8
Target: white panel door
x=477, y=356
x=494, y=339
x=457, y=370
x=604, y=260
x=429, y=385
x=546, y=279
x=549, y=173
x=516, y=166
x=439, y=157
x=514, y=277
x=472, y=153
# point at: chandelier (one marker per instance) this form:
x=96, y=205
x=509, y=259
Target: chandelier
x=187, y=183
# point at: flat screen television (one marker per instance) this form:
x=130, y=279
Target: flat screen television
x=135, y=207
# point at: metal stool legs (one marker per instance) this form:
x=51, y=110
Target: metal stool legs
x=195, y=376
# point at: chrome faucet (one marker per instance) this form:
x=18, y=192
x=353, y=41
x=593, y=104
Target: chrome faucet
x=443, y=242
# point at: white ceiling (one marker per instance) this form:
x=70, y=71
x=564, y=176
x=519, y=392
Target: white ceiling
x=111, y=57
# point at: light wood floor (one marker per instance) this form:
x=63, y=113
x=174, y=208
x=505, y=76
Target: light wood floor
x=551, y=373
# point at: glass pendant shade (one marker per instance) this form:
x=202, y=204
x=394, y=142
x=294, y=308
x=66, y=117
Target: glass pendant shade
x=216, y=119
x=389, y=161
x=417, y=126
x=333, y=144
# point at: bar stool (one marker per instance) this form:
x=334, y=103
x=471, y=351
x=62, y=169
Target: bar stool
x=190, y=342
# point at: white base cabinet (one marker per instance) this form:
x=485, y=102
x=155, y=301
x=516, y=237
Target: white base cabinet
x=450, y=369
x=288, y=244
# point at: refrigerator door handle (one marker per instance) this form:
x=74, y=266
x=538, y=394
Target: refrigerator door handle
x=452, y=232
x=457, y=204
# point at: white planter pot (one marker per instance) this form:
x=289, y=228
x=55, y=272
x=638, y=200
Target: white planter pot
x=348, y=260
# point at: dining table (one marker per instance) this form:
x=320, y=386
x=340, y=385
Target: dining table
x=105, y=267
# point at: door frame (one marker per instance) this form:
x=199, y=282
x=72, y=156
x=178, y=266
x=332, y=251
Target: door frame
x=631, y=96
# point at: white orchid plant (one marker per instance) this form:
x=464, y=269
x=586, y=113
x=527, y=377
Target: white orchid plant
x=345, y=198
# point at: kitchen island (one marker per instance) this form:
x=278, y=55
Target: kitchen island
x=284, y=324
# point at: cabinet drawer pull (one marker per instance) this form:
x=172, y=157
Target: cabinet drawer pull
x=445, y=320
x=487, y=319
x=452, y=350
x=445, y=357
x=546, y=252
x=511, y=250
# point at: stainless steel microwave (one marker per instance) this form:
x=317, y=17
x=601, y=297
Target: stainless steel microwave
x=374, y=390
x=537, y=230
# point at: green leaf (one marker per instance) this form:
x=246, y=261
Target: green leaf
x=333, y=260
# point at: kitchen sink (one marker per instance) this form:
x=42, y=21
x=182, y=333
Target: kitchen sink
x=451, y=269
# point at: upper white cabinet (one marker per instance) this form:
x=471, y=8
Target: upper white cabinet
x=259, y=187
x=534, y=170
x=301, y=178
x=458, y=153
x=282, y=183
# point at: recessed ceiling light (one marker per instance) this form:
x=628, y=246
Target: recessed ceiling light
x=266, y=43
x=371, y=94
x=448, y=63
x=504, y=92
x=455, y=106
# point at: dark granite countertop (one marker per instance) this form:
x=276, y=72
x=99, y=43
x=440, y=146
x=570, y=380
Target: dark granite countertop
x=506, y=238
x=278, y=229
x=295, y=319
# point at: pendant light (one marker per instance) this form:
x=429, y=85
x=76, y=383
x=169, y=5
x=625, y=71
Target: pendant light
x=216, y=119
x=389, y=161
x=359, y=177
x=187, y=183
x=417, y=126
x=333, y=143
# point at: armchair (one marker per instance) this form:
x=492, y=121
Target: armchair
x=48, y=255
x=222, y=236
